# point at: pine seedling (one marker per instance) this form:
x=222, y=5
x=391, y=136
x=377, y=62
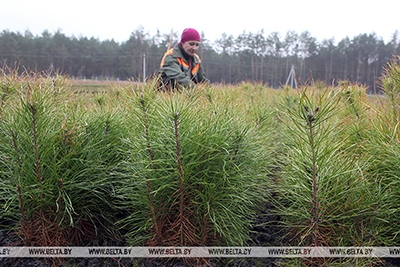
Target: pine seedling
x=323, y=196
x=384, y=153
x=59, y=172
x=390, y=82
x=199, y=161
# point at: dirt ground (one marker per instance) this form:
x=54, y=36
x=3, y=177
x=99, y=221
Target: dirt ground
x=262, y=235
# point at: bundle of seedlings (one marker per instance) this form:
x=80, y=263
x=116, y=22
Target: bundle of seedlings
x=56, y=165
x=196, y=172
x=384, y=155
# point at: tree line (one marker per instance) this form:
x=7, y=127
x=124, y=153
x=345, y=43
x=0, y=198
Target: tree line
x=256, y=57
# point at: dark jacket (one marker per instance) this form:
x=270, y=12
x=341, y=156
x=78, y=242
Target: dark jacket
x=177, y=68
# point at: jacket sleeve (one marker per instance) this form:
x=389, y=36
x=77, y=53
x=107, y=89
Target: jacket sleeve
x=173, y=71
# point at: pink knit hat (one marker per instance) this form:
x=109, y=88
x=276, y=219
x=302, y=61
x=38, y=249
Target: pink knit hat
x=190, y=34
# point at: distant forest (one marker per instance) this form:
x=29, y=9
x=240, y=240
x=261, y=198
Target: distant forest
x=255, y=57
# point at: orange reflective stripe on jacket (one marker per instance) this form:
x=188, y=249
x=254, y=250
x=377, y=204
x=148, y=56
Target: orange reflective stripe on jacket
x=181, y=62
x=169, y=52
x=197, y=66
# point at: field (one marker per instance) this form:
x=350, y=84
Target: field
x=86, y=163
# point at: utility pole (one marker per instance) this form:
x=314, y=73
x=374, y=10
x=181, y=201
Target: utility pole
x=144, y=68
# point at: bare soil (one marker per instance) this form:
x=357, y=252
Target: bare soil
x=263, y=234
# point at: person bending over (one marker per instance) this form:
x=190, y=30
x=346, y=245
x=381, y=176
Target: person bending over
x=181, y=66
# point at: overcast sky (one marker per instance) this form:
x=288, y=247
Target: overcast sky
x=117, y=19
